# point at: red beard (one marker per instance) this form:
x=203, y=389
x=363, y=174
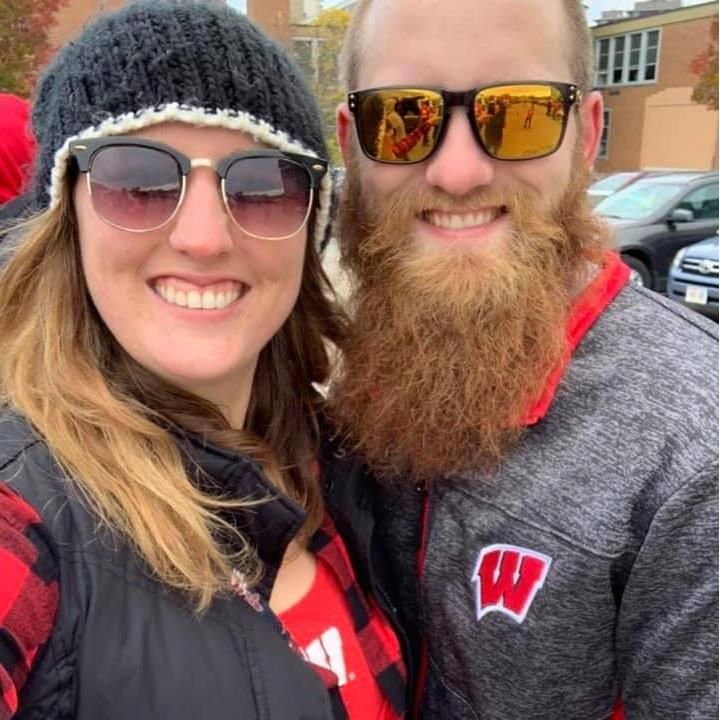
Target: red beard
x=450, y=348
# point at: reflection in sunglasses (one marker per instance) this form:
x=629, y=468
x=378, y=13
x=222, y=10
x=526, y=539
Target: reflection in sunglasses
x=513, y=122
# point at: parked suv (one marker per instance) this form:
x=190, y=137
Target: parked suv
x=655, y=217
x=694, y=277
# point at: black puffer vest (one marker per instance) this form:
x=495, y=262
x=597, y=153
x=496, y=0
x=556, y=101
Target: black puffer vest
x=123, y=645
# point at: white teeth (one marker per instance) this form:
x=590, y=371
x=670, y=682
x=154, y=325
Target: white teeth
x=208, y=300
x=196, y=300
x=456, y=221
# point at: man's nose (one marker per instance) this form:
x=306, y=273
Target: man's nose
x=202, y=226
x=459, y=165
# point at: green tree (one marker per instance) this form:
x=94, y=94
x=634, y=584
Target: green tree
x=705, y=66
x=329, y=28
x=24, y=42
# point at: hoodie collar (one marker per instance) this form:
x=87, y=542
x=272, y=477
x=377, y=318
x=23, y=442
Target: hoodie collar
x=588, y=307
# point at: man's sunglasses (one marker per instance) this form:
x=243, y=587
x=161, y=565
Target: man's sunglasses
x=513, y=121
x=138, y=185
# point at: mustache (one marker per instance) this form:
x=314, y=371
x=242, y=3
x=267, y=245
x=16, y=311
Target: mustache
x=411, y=200
x=397, y=210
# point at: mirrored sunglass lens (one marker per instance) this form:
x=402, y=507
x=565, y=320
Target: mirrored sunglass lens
x=135, y=188
x=520, y=122
x=399, y=125
x=268, y=197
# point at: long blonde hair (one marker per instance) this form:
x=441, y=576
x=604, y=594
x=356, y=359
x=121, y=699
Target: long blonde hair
x=107, y=420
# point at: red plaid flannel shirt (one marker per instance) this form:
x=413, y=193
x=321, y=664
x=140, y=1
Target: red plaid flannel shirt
x=28, y=595
x=370, y=627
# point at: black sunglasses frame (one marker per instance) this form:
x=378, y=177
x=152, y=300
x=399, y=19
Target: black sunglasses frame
x=84, y=151
x=571, y=95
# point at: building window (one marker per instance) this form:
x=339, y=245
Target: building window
x=304, y=56
x=634, y=59
x=651, y=54
x=618, y=60
x=603, y=49
x=605, y=137
x=627, y=59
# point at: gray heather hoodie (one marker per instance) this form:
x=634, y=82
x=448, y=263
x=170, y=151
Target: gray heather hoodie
x=585, y=569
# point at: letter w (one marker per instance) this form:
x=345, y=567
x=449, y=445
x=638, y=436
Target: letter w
x=507, y=578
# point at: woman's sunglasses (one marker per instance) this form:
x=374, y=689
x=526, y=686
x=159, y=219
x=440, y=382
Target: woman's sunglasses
x=513, y=121
x=138, y=185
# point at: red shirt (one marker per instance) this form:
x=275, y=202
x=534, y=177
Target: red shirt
x=322, y=625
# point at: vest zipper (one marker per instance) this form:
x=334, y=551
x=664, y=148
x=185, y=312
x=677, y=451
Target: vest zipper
x=422, y=488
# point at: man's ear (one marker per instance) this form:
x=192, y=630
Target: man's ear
x=343, y=128
x=591, y=114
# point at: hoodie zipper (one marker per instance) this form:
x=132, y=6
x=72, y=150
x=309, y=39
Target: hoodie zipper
x=422, y=489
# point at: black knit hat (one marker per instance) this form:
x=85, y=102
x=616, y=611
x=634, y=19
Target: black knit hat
x=167, y=61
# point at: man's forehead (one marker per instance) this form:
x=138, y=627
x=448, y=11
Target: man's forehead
x=462, y=42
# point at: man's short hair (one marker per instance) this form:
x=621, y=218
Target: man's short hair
x=580, y=58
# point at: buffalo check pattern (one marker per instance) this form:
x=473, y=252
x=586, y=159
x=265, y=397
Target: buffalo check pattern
x=28, y=595
x=369, y=622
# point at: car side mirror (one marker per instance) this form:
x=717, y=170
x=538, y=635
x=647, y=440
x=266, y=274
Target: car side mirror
x=681, y=215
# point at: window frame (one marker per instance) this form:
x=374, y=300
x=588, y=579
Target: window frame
x=315, y=44
x=604, y=146
x=705, y=192
x=614, y=53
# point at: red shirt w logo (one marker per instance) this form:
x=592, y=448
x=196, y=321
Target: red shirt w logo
x=507, y=578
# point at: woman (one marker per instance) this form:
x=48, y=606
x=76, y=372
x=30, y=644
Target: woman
x=164, y=546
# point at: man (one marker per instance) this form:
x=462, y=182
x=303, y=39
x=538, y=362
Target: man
x=544, y=432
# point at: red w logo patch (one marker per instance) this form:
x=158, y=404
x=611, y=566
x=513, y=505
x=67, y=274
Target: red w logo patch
x=507, y=578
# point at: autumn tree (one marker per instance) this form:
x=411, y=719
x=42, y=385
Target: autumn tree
x=321, y=65
x=705, y=66
x=24, y=42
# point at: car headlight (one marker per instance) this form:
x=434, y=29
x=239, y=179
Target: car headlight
x=677, y=260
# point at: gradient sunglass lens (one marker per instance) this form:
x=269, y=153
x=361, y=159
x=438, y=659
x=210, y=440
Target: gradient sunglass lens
x=399, y=125
x=520, y=122
x=268, y=197
x=134, y=188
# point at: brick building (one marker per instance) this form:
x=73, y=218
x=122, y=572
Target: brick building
x=75, y=15
x=642, y=67
x=273, y=16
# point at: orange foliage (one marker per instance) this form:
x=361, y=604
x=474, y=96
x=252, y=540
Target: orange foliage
x=24, y=42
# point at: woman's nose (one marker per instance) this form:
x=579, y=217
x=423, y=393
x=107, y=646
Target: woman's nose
x=202, y=226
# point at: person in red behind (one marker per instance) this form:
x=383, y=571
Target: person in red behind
x=17, y=146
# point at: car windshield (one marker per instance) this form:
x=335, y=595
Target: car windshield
x=612, y=182
x=637, y=202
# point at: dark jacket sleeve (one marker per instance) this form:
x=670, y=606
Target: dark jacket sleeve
x=29, y=595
